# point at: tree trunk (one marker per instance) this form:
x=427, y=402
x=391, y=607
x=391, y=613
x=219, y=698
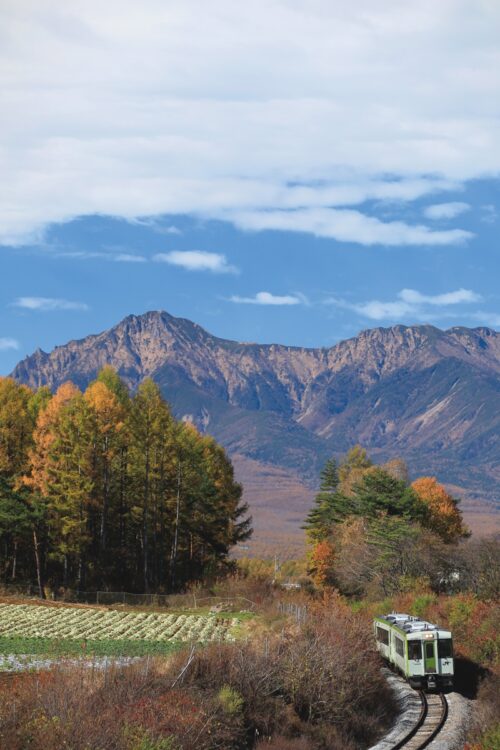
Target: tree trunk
x=145, y=524
x=14, y=562
x=173, y=556
x=104, y=515
x=36, y=545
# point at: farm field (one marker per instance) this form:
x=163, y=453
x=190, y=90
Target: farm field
x=29, y=629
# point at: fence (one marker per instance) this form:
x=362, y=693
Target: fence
x=110, y=598
x=297, y=611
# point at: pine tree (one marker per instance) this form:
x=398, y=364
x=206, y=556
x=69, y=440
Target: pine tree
x=330, y=507
x=379, y=492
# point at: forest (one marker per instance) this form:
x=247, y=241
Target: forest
x=104, y=489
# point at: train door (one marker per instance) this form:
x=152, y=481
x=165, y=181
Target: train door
x=429, y=657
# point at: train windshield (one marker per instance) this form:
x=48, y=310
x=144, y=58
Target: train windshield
x=414, y=650
x=445, y=650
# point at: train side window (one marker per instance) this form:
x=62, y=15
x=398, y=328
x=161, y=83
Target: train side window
x=383, y=636
x=445, y=650
x=414, y=650
x=400, y=649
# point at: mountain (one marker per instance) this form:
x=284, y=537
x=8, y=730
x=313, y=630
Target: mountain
x=427, y=395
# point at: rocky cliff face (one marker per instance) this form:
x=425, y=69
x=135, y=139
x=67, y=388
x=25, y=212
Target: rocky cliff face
x=428, y=395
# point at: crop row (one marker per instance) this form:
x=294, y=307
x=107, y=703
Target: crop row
x=31, y=621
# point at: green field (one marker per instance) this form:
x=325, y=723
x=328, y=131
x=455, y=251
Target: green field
x=32, y=629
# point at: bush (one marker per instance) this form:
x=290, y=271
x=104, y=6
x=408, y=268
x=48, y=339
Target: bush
x=230, y=700
x=318, y=686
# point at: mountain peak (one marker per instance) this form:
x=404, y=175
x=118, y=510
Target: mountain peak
x=429, y=395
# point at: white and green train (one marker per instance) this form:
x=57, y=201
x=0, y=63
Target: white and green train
x=419, y=650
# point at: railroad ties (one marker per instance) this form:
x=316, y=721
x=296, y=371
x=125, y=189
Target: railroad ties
x=432, y=719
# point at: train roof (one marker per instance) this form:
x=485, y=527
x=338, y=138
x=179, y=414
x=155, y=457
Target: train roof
x=410, y=624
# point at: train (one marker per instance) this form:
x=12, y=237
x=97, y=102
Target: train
x=421, y=651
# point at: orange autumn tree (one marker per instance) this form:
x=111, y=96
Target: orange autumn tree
x=445, y=518
x=321, y=562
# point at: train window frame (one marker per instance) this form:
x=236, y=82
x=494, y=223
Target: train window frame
x=399, y=646
x=382, y=635
x=445, y=648
x=415, y=650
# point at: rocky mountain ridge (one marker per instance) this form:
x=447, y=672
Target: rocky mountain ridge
x=429, y=395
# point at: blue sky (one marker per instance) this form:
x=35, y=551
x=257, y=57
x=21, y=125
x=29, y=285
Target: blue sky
x=286, y=172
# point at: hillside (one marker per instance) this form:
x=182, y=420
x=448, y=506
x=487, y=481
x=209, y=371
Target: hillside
x=430, y=396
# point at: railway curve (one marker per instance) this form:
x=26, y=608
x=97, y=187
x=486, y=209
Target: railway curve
x=425, y=720
x=433, y=715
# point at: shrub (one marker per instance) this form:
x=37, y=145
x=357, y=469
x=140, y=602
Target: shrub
x=230, y=700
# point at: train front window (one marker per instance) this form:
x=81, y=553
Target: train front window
x=414, y=650
x=445, y=650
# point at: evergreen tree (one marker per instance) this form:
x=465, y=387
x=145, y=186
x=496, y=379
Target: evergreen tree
x=330, y=507
x=379, y=492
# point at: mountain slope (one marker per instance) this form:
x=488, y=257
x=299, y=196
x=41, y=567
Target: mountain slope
x=428, y=395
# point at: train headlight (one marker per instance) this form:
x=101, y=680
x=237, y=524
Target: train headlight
x=428, y=635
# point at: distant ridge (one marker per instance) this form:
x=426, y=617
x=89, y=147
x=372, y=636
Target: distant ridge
x=430, y=396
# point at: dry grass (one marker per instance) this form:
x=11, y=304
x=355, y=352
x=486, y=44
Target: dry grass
x=318, y=686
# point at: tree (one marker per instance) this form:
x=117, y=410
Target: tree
x=398, y=469
x=14, y=528
x=330, y=505
x=59, y=481
x=379, y=492
x=16, y=427
x=151, y=460
x=321, y=565
x=110, y=378
x=107, y=416
x=111, y=490
x=443, y=515
x=352, y=468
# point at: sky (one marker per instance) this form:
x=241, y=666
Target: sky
x=278, y=171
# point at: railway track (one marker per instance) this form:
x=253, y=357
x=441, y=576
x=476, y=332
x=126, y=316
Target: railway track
x=432, y=719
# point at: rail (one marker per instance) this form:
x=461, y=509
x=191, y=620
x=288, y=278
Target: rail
x=432, y=719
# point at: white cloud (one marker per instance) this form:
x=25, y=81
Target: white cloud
x=348, y=226
x=7, y=343
x=413, y=297
x=226, y=107
x=409, y=303
x=487, y=318
x=266, y=298
x=128, y=258
x=445, y=210
x=196, y=260
x=46, y=304
x=96, y=255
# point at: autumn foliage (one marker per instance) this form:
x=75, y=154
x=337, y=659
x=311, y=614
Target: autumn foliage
x=315, y=686
x=444, y=516
x=370, y=531
x=106, y=490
